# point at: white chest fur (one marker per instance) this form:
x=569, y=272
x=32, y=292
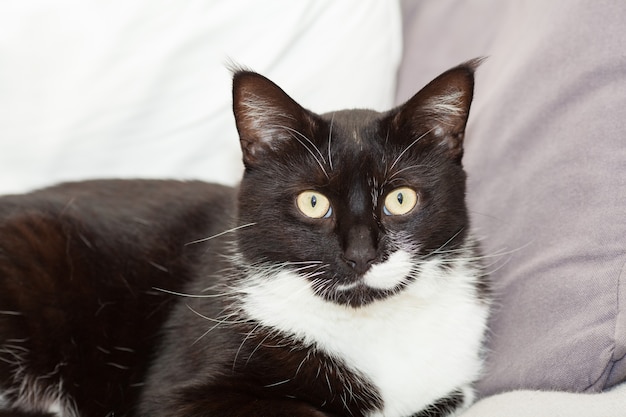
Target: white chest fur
x=416, y=346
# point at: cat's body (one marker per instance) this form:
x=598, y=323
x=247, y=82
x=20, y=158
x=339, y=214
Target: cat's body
x=339, y=279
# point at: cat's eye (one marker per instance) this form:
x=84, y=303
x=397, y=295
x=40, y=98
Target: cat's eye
x=314, y=205
x=400, y=201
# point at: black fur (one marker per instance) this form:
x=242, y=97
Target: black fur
x=78, y=268
x=93, y=275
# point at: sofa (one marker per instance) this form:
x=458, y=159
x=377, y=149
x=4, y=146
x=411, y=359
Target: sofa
x=141, y=89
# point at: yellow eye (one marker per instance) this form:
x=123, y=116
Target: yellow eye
x=400, y=201
x=314, y=205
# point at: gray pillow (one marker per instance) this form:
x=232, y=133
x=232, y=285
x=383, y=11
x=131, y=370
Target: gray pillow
x=546, y=158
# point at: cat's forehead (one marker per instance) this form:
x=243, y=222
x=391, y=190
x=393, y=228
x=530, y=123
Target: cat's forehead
x=353, y=127
x=352, y=119
x=353, y=142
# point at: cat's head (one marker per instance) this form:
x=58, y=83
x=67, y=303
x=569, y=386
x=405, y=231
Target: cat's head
x=353, y=200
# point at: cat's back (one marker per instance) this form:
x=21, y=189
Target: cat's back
x=116, y=200
x=79, y=263
x=116, y=210
x=108, y=222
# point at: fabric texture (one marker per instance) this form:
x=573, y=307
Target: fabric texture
x=142, y=88
x=551, y=404
x=546, y=158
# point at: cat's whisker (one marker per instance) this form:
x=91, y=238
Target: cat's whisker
x=314, y=274
x=293, y=134
x=258, y=346
x=321, y=288
x=181, y=294
x=234, y=229
x=409, y=147
x=203, y=335
x=301, y=262
x=243, y=342
x=222, y=320
x=274, y=269
x=390, y=181
x=10, y=313
x=277, y=383
x=294, y=131
x=494, y=255
x=498, y=266
x=400, y=171
x=446, y=243
x=306, y=357
x=303, y=266
x=330, y=138
x=498, y=260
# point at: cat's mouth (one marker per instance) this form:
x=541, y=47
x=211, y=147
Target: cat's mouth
x=381, y=281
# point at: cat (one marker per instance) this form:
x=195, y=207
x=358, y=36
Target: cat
x=340, y=278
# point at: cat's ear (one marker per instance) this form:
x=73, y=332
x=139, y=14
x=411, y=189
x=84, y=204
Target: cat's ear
x=438, y=113
x=265, y=115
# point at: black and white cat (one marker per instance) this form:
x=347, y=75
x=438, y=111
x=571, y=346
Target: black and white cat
x=339, y=279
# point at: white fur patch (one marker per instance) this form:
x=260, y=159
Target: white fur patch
x=416, y=346
x=389, y=274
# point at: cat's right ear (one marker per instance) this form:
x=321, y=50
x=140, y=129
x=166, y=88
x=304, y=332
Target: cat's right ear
x=438, y=113
x=265, y=115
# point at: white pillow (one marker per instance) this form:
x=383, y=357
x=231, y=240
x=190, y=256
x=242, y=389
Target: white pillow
x=140, y=88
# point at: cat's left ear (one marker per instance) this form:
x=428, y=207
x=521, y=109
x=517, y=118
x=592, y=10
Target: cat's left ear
x=265, y=115
x=438, y=113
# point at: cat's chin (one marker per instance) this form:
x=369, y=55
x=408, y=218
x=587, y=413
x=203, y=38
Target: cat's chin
x=381, y=281
x=358, y=294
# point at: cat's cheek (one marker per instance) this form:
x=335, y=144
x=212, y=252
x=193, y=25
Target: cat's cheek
x=310, y=239
x=391, y=273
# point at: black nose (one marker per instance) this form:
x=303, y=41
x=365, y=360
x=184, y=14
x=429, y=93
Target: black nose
x=360, y=252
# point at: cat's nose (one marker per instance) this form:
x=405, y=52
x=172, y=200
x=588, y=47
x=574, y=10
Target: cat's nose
x=360, y=252
x=359, y=264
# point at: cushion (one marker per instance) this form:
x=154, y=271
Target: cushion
x=546, y=159
x=141, y=88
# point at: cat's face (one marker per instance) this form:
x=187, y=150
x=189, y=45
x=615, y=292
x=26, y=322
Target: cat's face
x=354, y=200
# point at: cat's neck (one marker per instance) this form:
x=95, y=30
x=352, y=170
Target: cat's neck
x=392, y=341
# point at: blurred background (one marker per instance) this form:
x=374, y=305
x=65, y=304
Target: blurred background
x=142, y=88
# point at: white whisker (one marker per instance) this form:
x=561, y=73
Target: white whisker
x=305, y=138
x=258, y=346
x=406, y=169
x=223, y=319
x=293, y=134
x=181, y=294
x=437, y=251
x=248, y=336
x=409, y=147
x=219, y=234
x=330, y=137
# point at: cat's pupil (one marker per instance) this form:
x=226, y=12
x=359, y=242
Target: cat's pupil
x=313, y=201
x=400, y=198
